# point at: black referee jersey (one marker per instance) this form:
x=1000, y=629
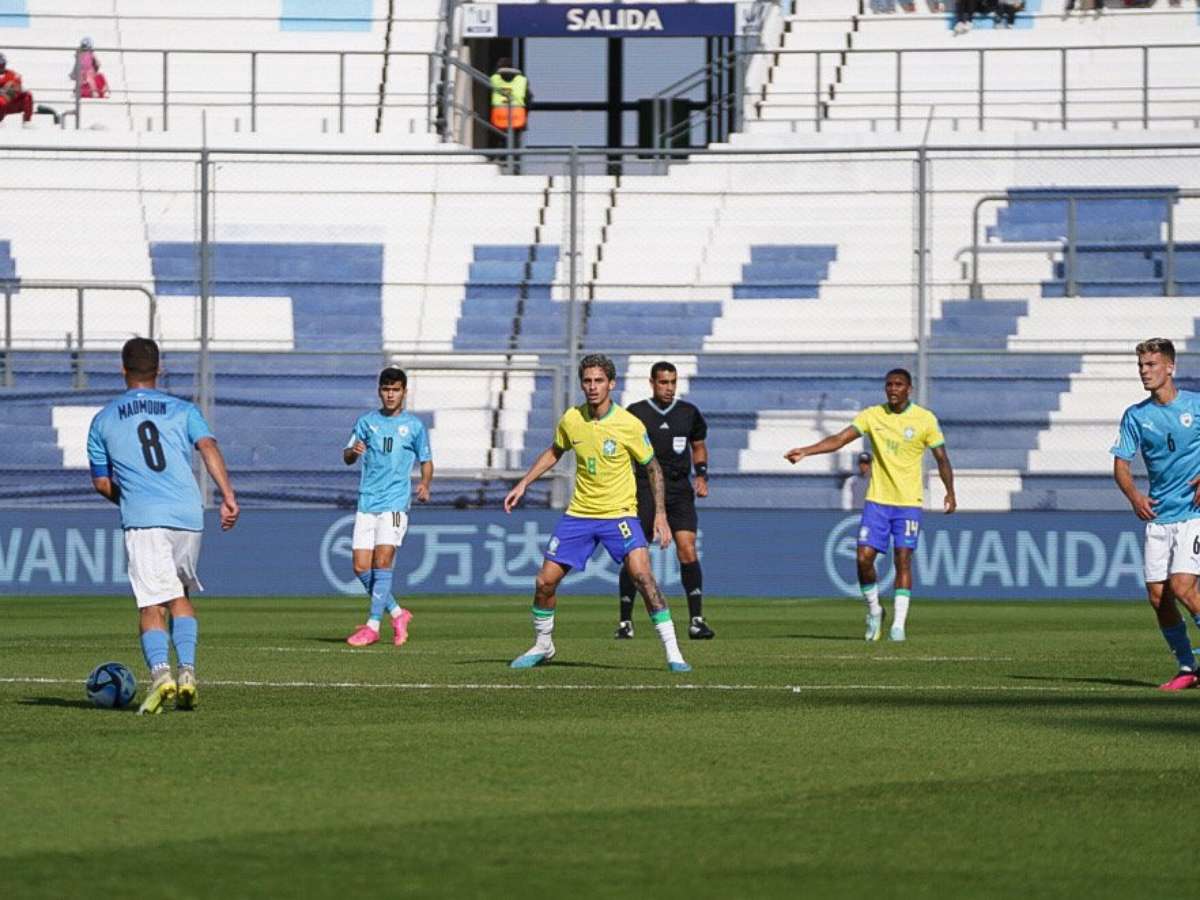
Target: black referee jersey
x=671, y=431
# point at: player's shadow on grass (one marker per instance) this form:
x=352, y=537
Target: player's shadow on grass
x=327, y=640
x=824, y=637
x=56, y=701
x=1112, y=682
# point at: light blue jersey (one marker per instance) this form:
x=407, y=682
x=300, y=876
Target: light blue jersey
x=143, y=440
x=1168, y=437
x=394, y=443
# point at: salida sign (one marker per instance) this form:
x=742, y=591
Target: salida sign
x=601, y=20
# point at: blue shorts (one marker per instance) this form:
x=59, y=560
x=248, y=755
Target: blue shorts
x=575, y=539
x=879, y=522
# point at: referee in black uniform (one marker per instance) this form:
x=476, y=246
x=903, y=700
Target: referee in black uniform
x=677, y=431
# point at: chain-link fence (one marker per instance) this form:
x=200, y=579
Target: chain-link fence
x=1012, y=282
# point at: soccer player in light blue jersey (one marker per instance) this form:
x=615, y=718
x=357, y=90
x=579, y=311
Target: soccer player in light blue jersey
x=140, y=450
x=1165, y=429
x=389, y=440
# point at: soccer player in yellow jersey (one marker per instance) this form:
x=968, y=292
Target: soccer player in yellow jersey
x=603, y=507
x=899, y=431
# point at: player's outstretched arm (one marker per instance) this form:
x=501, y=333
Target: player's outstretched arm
x=946, y=473
x=353, y=452
x=543, y=464
x=426, y=481
x=658, y=487
x=1142, y=505
x=215, y=463
x=825, y=445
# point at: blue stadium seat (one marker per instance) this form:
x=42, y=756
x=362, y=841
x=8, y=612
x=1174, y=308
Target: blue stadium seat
x=317, y=277
x=785, y=271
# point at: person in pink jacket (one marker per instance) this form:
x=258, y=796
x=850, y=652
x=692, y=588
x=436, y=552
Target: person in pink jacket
x=86, y=73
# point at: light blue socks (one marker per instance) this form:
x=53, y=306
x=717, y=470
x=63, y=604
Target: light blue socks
x=183, y=635
x=155, y=647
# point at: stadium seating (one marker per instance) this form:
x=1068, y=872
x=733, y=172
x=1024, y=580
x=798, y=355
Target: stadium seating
x=305, y=68
x=855, y=92
x=781, y=286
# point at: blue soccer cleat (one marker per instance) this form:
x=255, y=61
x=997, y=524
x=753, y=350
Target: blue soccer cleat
x=875, y=626
x=535, y=656
x=679, y=667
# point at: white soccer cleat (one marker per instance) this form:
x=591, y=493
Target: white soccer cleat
x=534, y=656
x=874, y=626
x=897, y=634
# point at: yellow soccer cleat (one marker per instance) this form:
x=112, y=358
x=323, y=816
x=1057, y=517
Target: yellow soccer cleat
x=186, y=699
x=162, y=690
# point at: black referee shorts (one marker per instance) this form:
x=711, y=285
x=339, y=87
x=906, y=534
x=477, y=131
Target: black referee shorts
x=681, y=507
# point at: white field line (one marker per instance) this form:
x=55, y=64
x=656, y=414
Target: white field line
x=776, y=688
x=799, y=656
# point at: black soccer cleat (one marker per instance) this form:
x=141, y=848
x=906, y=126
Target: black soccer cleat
x=624, y=631
x=698, y=630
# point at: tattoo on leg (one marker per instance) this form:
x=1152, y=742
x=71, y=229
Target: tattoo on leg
x=651, y=593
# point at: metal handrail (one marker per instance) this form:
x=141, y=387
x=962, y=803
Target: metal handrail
x=736, y=61
x=11, y=286
x=1069, y=241
x=167, y=99
x=981, y=86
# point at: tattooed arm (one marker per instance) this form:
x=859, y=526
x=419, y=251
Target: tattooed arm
x=662, y=531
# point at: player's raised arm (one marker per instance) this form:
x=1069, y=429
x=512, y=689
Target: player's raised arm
x=215, y=463
x=946, y=473
x=543, y=464
x=1142, y=505
x=825, y=445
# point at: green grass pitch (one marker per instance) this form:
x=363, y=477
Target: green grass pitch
x=1007, y=749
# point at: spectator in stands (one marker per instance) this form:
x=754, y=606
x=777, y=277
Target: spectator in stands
x=1007, y=11
x=89, y=83
x=13, y=96
x=510, y=100
x=964, y=12
x=854, y=488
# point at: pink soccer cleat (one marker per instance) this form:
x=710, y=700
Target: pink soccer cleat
x=364, y=637
x=1181, y=682
x=400, y=627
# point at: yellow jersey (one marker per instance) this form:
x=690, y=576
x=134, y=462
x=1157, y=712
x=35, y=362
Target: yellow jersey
x=899, y=440
x=604, y=484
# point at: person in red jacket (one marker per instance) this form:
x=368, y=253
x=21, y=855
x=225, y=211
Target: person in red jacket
x=13, y=96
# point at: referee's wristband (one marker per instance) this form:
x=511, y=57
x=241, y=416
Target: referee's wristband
x=701, y=470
